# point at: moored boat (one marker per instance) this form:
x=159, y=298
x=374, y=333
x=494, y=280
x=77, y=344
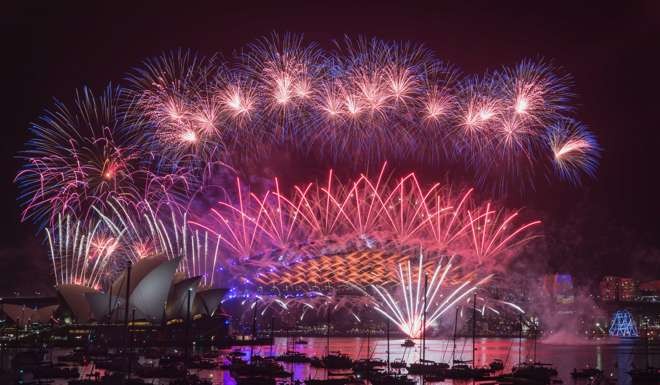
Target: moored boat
x=648, y=375
x=586, y=373
x=427, y=367
x=398, y=364
x=295, y=357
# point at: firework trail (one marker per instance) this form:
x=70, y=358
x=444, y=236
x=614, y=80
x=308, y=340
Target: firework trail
x=301, y=248
x=332, y=232
x=114, y=177
x=80, y=254
x=147, y=232
x=295, y=306
x=94, y=253
x=425, y=292
x=408, y=314
x=173, y=94
x=365, y=102
x=574, y=150
x=84, y=156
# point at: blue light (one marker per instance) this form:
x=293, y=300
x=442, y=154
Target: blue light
x=623, y=325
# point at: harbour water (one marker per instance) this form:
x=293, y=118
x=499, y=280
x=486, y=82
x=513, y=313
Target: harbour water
x=614, y=357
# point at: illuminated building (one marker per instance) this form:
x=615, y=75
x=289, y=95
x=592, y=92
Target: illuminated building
x=155, y=292
x=623, y=325
x=618, y=289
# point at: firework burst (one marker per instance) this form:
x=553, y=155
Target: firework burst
x=365, y=102
x=574, y=150
x=425, y=295
x=175, y=96
x=382, y=100
x=148, y=231
x=80, y=254
x=286, y=236
x=80, y=157
x=115, y=177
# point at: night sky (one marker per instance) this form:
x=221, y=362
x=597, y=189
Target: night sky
x=608, y=225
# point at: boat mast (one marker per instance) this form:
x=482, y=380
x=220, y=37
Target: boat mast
x=188, y=308
x=110, y=303
x=254, y=328
x=272, y=338
x=520, y=334
x=387, y=331
x=646, y=343
x=368, y=343
x=128, y=292
x=536, y=337
x=474, y=328
x=327, y=334
x=453, y=351
x=423, y=355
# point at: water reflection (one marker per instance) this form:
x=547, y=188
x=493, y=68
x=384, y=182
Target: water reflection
x=615, y=359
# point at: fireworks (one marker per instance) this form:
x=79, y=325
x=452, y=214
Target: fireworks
x=298, y=305
x=85, y=156
x=123, y=176
x=348, y=225
x=367, y=100
x=146, y=232
x=423, y=298
x=171, y=94
x=79, y=254
x=574, y=150
x=92, y=255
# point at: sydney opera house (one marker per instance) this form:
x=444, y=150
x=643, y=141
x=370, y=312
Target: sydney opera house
x=154, y=294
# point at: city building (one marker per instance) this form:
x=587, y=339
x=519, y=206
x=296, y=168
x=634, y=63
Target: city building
x=618, y=289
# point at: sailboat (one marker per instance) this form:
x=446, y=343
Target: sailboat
x=389, y=378
x=461, y=369
x=649, y=374
x=368, y=366
x=408, y=343
x=332, y=360
x=534, y=372
x=258, y=370
x=291, y=355
x=398, y=363
x=427, y=367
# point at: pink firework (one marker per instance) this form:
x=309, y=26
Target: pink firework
x=82, y=156
x=275, y=228
x=574, y=150
x=81, y=254
x=365, y=102
x=175, y=96
x=385, y=101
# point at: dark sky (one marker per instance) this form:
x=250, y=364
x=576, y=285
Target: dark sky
x=611, y=51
